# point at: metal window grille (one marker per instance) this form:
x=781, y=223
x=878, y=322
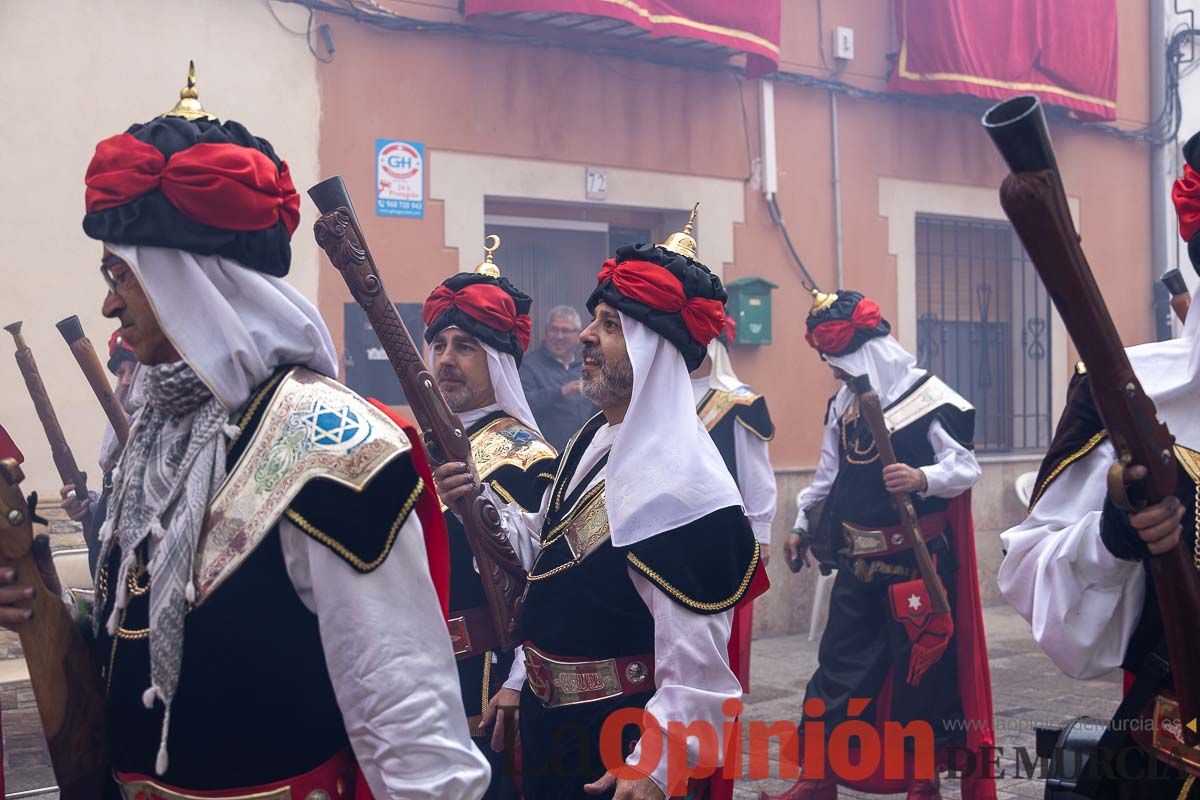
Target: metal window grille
x=983, y=326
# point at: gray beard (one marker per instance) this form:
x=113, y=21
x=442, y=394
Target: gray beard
x=612, y=386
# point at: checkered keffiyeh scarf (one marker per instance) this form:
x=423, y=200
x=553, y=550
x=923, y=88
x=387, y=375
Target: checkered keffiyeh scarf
x=172, y=466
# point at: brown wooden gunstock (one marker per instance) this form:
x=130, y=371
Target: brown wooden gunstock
x=89, y=363
x=66, y=685
x=1035, y=201
x=64, y=459
x=872, y=411
x=340, y=236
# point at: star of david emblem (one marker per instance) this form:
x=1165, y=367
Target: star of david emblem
x=331, y=426
x=518, y=436
x=914, y=602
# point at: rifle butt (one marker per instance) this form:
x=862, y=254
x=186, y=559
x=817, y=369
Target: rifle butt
x=1176, y=587
x=65, y=683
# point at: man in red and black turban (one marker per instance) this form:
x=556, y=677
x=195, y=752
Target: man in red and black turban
x=1077, y=566
x=882, y=643
x=477, y=329
x=642, y=548
x=266, y=615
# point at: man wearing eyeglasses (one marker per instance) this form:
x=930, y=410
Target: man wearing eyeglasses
x=551, y=375
x=267, y=619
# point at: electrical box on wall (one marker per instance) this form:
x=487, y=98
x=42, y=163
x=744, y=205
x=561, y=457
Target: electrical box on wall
x=843, y=43
x=750, y=306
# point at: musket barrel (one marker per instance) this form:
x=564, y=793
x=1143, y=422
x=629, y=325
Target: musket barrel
x=1018, y=128
x=89, y=363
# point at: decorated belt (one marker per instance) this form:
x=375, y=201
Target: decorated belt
x=333, y=780
x=862, y=542
x=563, y=681
x=1164, y=735
x=472, y=632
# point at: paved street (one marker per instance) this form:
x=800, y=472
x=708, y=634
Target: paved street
x=1028, y=690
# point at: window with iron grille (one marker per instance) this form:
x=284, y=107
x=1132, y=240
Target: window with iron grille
x=983, y=326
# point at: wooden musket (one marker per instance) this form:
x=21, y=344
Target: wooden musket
x=66, y=685
x=872, y=412
x=340, y=236
x=1035, y=201
x=89, y=363
x=64, y=460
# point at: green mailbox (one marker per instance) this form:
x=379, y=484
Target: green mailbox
x=750, y=307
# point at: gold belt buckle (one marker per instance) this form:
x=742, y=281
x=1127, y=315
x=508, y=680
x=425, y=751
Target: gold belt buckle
x=864, y=542
x=1168, y=732
x=148, y=790
x=460, y=637
x=565, y=683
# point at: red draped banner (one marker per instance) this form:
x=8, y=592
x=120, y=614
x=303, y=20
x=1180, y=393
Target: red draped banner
x=751, y=28
x=1065, y=51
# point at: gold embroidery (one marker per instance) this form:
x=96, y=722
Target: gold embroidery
x=931, y=395
x=687, y=601
x=550, y=537
x=337, y=547
x=313, y=427
x=716, y=404
x=586, y=529
x=1088, y=447
x=507, y=442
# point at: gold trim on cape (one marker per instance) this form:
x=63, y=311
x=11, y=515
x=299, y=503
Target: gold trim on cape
x=1087, y=447
x=722, y=605
x=314, y=427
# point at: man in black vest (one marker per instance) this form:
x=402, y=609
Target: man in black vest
x=477, y=329
x=265, y=620
x=1076, y=567
x=879, y=622
x=642, y=547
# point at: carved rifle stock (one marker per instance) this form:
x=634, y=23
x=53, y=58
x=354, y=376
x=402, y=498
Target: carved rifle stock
x=89, y=363
x=872, y=412
x=340, y=236
x=64, y=459
x=66, y=685
x=1035, y=201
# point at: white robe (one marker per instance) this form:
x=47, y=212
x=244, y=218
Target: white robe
x=1082, y=602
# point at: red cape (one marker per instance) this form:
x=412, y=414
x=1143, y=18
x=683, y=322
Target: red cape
x=429, y=511
x=719, y=787
x=8, y=448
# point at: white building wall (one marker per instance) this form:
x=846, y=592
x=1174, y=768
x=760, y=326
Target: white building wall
x=73, y=72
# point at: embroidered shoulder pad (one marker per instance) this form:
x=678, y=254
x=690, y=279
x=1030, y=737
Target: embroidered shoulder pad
x=706, y=565
x=929, y=397
x=325, y=459
x=509, y=442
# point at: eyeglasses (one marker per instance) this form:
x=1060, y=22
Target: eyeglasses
x=557, y=331
x=116, y=282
